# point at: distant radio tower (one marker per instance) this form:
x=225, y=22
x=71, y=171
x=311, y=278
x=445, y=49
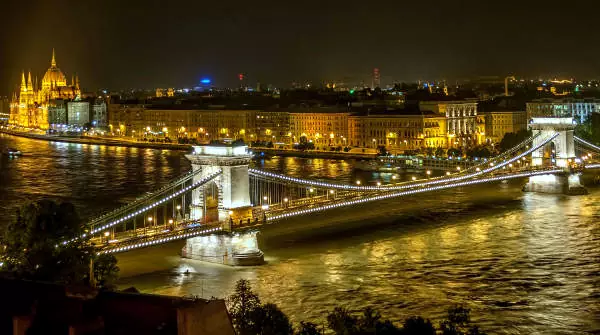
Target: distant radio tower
x=376, y=81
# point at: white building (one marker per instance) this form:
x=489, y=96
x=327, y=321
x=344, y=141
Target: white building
x=578, y=109
x=78, y=113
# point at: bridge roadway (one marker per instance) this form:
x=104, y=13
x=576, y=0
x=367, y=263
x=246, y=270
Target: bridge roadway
x=161, y=234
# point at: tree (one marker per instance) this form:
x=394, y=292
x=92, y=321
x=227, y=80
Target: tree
x=45, y=243
x=512, y=139
x=382, y=150
x=106, y=271
x=342, y=322
x=241, y=305
x=308, y=328
x=268, y=319
x=416, y=325
x=429, y=151
x=459, y=323
x=455, y=152
x=440, y=152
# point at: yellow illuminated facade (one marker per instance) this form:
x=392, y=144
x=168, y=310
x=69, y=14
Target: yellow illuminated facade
x=321, y=128
x=499, y=123
x=397, y=132
x=29, y=107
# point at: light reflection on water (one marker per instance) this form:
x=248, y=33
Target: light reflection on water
x=524, y=263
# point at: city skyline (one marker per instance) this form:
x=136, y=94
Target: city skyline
x=145, y=44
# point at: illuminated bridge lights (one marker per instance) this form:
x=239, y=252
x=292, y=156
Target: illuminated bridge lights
x=586, y=143
x=409, y=192
x=406, y=185
x=145, y=209
x=189, y=175
x=159, y=241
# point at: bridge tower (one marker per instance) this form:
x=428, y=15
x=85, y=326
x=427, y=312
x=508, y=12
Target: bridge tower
x=233, y=183
x=231, y=248
x=559, y=152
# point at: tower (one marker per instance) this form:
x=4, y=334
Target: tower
x=376, y=79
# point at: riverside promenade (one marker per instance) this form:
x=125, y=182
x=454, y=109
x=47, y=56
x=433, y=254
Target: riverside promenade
x=97, y=140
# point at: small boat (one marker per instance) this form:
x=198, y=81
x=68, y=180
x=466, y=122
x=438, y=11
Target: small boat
x=12, y=152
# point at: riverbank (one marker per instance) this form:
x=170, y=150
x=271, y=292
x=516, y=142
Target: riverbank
x=312, y=154
x=98, y=141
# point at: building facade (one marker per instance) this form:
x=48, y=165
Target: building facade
x=578, y=109
x=499, y=123
x=78, y=113
x=29, y=107
x=320, y=126
x=397, y=132
x=204, y=125
x=4, y=110
x=462, y=124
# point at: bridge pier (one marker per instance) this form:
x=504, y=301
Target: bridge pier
x=236, y=249
x=564, y=183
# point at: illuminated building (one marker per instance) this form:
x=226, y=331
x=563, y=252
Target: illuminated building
x=461, y=120
x=273, y=125
x=4, y=110
x=78, y=113
x=376, y=79
x=397, y=132
x=578, y=109
x=29, y=108
x=177, y=121
x=499, y=123
x=321, y=126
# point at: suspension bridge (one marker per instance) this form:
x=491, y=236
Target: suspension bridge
x=218, y=207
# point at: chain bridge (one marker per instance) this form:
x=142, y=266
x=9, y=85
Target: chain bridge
x=216, y=209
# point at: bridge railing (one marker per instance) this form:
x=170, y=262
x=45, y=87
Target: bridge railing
x=170, y=186
x=121, y=215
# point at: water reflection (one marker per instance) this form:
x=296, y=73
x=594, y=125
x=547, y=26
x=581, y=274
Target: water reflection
x=524, y=263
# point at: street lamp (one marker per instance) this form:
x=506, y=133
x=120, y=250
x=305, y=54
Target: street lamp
x=428, y=172
x=331, y=191
x=106, y=234
x=178, y=207
x=378, y=183
x=414, y=178
x=358, y=182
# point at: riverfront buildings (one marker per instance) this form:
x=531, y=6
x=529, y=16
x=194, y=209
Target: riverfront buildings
x=30, y=106
x=445, y=125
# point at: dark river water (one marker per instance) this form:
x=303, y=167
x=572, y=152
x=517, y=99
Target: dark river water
x=524, y=263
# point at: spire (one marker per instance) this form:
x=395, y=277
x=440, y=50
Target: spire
x=77, y=81
x=23, y=83
x=72, y=80
x=35, y=86
x=29, y=82
x=53, y=63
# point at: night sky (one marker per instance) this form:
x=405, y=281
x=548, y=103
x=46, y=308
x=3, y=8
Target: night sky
x=146, y=44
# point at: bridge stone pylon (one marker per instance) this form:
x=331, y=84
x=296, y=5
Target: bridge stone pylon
x=563, y=144
x=233, y=183
x=559, y=152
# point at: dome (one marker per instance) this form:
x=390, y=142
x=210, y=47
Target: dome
x=54, y=75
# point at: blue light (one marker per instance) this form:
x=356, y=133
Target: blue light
x=205, y=81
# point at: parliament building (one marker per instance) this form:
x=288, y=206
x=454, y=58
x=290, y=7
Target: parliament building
x=30, y=106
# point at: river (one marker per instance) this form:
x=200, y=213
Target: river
x=524, y=263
